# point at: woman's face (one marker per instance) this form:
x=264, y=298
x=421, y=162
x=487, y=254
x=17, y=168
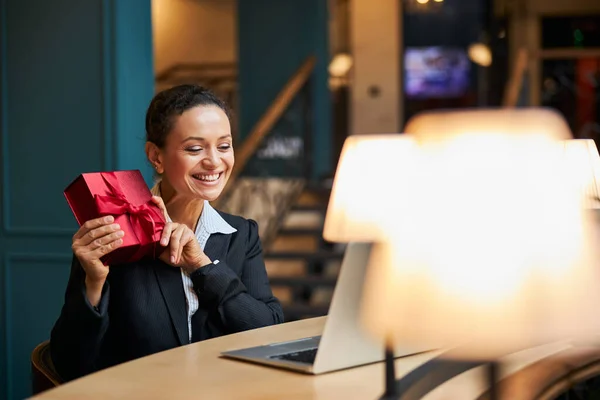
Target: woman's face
x=197, y=158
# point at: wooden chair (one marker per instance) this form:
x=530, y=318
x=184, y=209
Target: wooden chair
x=43, y=374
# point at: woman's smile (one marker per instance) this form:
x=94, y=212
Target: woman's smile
x=208, y=179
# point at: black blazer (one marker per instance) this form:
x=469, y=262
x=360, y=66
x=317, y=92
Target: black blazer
x=143, y=309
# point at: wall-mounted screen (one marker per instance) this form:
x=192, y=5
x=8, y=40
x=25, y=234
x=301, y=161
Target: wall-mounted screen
x=436, y=72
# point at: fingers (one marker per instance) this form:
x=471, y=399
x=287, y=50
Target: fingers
x=99, y=247
x=166, y=233
x=187, y=236
x=106, y=239
x=176, y=244
x=179, y=249
x=92, y=224
x=161, y=204
x=97, y=233
x=169, y=226
x=179, y=239
x=96, y=238
x=104, y=249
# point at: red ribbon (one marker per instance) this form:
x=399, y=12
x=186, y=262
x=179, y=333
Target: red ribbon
x=145, y=218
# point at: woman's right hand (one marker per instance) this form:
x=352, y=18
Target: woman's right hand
x=93, y=240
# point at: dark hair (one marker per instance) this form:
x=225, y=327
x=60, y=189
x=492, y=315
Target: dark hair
x=173, y=102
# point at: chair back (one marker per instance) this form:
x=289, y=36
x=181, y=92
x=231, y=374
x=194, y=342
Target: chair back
x=43, y=373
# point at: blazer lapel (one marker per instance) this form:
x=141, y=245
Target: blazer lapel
x=216, y=246
x=171, y=287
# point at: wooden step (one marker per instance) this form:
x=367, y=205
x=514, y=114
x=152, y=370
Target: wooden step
x=303, y=220
x=295, y=242
x=283, y=294
x=281, y=267
x=314, y=197
x=321, y=296
x=301, y=231
x=321, y=207
x=312, y=256
x=310, y=280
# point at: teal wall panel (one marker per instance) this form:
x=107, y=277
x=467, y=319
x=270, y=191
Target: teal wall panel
x=53, y=77
x=4, y=362
x=75, y=80
x=23, y=310
x=274, y=38
x=136, y=85
x=4, y=367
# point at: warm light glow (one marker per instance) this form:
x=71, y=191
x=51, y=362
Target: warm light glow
x=473, y=124
x=439, y=1
x=369, y=174
x=583, y=167
x=480, y=54
x=422, y=1
x=472, y=198
x=340, y=65
x=487, y=243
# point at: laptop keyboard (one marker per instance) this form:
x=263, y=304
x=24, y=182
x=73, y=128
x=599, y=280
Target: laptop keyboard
x=305, y=356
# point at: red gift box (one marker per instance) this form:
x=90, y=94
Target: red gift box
x=125, y=196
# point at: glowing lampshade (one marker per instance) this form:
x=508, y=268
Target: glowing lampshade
x=368, y=179
x=488, y=247
x=583, y=165
x=440, y=125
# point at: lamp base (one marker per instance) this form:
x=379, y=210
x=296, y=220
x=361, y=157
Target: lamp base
x=391, y=396
x=422, y=380
x=493, y=374
x=391, y=388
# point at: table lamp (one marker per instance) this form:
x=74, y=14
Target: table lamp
x=488, y=249
x=582, y=160
x=371, y=171
x=430, y=126
x=369, y=174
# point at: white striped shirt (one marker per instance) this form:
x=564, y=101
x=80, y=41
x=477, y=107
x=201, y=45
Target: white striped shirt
x=210, y=222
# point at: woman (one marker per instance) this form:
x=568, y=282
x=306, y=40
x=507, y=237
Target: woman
x=209, y=281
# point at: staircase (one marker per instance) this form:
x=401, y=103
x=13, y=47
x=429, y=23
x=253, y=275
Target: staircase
x=302, y=266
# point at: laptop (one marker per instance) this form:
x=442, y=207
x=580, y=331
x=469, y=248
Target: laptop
x=342, y=343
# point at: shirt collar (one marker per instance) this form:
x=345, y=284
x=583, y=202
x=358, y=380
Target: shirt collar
x=210, y=219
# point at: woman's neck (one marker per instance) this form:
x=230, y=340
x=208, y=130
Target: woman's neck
x=183, y=210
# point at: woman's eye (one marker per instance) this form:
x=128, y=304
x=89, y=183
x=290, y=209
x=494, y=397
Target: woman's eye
x=224, y=147
x=193, y=149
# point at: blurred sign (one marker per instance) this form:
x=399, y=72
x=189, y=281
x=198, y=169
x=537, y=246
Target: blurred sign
x=282, y=153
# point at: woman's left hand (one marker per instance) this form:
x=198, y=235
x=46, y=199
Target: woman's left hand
x=182, y=247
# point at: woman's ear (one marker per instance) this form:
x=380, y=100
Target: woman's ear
x=155, y=157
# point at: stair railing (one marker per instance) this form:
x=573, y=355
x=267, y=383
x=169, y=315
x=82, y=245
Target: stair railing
x=256, y=137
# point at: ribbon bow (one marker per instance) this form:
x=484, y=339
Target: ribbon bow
x=145, y=219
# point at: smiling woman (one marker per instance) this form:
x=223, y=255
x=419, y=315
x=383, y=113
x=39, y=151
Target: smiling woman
x=189, y=144
x=209, y=281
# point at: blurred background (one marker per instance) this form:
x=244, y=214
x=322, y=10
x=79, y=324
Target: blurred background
x=301, y=75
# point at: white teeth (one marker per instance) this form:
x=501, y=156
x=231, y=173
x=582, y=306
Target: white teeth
x=207, y=178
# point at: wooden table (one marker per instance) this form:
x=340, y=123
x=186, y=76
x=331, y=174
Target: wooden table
x=196, y=371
